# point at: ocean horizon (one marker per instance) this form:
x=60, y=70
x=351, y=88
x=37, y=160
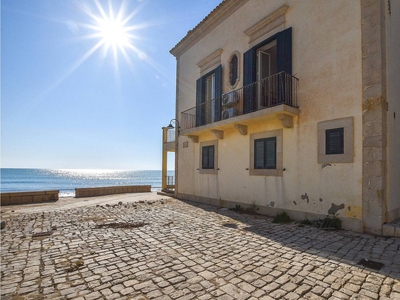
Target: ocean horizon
x=66, y=180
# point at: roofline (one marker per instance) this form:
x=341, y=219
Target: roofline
x=212, y=20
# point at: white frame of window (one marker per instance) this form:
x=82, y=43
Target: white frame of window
x=206, y=144
x=278, y=133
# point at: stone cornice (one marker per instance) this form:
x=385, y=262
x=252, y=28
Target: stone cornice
x=218, y=15
x=268, y=23
x=213, y=59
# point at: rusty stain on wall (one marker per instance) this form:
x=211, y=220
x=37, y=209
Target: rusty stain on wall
x=353, y=211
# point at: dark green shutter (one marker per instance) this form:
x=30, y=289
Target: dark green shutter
x=204, y=163
x=218, y=93
x=211, y=157
x=265, y=153
x=199, y=101
x=270, y=153
x=284, y=51
x=207, y=161
x=259, y=154
x=334, y=141
x=284, y=64
x=249, y=76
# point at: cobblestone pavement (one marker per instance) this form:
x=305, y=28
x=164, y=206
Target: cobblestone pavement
x=168, y=249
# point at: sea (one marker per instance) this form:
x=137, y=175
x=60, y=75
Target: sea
x=66, y=180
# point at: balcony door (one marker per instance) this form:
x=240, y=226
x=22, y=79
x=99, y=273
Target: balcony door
x=266, y=67
x=264, y=62
x=208, y=97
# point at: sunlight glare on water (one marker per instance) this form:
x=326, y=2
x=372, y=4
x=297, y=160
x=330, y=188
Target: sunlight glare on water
x=66, y=180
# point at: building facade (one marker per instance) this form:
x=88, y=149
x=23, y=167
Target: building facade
x=288, y=105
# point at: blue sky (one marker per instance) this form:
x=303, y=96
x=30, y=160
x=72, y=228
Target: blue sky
x=67, y=104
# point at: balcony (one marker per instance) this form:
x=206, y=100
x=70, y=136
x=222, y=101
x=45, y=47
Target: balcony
x=271, y=97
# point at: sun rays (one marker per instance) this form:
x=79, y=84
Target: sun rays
x=112, y=29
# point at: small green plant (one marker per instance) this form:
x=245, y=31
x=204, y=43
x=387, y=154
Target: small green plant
x=250, y=210
x=76, y=266
x=331, y=222
x=79, y=263
x=237, y=208
x=306, y=222
x=283, y=217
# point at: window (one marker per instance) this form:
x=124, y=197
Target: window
x=266, y=153
x=233, y=70
x=336, y=141
x=266, y=64
x=208, y=97
x=208, y=157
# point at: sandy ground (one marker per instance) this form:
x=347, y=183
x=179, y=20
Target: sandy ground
x=70, y=202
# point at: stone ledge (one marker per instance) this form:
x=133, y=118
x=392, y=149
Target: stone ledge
x=110, y=190
x=14, y=198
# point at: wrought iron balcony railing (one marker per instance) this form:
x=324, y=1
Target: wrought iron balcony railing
x=277, y=89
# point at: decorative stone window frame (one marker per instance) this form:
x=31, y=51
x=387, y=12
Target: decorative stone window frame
x=348, y=141
x=278, y=133
x=267, y=24
x=232, y=86
x=210, y=62
x=206, y=144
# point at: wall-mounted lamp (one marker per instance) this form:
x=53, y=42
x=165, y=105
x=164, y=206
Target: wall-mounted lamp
x=170, y=126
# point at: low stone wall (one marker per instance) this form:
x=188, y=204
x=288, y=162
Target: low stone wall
x=110, y=190
x=28, y=197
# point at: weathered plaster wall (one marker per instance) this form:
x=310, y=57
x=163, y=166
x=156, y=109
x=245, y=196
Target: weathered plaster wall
x=393, y=97
x=327, y=61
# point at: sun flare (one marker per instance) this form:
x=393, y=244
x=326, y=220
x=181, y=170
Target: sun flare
x=113, y=29
x=113, y=33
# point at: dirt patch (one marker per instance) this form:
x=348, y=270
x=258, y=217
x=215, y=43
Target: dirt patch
x=122, y=225
x=42, y=234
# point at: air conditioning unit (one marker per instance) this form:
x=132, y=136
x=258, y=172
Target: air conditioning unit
x=229, y=113
x=230, y=98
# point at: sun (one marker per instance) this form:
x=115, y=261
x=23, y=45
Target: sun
x=113, y=33
x=111, y=27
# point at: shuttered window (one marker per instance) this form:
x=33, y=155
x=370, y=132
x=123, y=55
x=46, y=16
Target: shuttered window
x=207, y=161
x=211, y=112
x=265, y=153
x=334, y=141
x=283, y=63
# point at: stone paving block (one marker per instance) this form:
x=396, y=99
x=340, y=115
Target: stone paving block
x=234, y=291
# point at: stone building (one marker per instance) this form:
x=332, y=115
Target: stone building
x=288, y=105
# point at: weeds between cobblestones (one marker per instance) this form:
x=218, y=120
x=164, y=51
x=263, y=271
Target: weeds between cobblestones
x=187, y=251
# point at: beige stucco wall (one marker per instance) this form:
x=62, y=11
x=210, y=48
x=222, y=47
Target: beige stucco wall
x=327, y=61
x=393, y=96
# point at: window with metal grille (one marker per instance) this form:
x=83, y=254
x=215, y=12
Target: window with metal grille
x=334, y=139
x=233, y=70
x=265, y=153
x=207, y=161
